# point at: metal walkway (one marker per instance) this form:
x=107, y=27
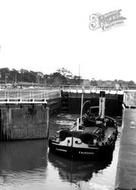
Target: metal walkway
x=38, y=95
x=20, y=96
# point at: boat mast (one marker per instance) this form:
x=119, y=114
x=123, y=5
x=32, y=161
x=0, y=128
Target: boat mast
x=81, y=111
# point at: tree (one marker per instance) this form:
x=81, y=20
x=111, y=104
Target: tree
x=131, y=84
x=93, y=82
x=65, y=72
x=4, y=72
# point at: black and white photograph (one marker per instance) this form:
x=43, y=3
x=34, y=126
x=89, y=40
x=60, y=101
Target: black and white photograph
x=67, y=95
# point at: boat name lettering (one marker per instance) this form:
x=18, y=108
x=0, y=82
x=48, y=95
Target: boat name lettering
x=85, y=152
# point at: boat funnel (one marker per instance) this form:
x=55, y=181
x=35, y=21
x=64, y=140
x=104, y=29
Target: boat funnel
x=102, y=104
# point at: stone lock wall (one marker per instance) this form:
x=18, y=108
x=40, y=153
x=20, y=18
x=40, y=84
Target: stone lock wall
x=23, y=121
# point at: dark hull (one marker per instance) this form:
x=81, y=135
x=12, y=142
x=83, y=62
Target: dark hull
x=94, y=152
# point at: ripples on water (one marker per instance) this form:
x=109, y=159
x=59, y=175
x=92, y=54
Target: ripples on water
x=28, y=165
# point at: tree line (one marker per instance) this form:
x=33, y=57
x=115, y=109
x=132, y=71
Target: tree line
x=60, y=77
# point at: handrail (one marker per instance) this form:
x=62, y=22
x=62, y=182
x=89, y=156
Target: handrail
x=30, y=95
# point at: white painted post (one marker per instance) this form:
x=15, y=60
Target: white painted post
x=102, y=104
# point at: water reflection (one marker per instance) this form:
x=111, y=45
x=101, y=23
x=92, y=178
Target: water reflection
x=22, y=161
x=27, y=165
x=73, y=171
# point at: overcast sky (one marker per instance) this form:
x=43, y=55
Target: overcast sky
x=45, y=35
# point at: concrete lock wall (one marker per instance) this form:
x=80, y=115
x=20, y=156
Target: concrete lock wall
x=29, y=121
x=23, y=121
x=71, y=102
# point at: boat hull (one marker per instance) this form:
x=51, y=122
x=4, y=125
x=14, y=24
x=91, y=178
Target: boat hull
x=92, y=152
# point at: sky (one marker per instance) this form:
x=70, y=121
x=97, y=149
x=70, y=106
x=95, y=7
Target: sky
x=45, y=35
